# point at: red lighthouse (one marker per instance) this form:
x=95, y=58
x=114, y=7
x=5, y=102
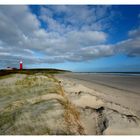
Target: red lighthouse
x=20, y=65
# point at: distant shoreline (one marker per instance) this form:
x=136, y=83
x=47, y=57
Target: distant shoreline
x=114, y=73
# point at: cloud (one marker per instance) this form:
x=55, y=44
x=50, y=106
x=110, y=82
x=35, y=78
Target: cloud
x=86, y=38
x=64, y=38
x=16, y=23
x=131, y=46
x=59, y=34
x=91, y=52
x=134, y=33
x=65, y=18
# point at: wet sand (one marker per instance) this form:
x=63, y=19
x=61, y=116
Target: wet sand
x=126, y=83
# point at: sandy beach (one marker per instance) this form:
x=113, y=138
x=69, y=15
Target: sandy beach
x=108, y=104
x=63, y=104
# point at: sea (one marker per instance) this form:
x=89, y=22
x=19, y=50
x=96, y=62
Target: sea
x=115, y=73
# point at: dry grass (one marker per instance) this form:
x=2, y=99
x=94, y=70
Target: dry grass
x=36, y=104
x=14, y=103
x=72, y=118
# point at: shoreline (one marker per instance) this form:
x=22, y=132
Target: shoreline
x=112, y=73
x=115, y=112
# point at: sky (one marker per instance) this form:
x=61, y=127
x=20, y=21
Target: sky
x=80, y=38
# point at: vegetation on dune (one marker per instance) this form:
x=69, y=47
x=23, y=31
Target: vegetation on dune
x=36, y=104
x=31, y=71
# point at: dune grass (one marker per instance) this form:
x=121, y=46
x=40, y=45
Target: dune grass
x=36, y=104
x=14, y=103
